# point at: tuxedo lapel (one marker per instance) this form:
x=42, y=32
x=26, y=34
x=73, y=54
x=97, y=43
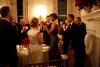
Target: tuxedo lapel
x=68, y=27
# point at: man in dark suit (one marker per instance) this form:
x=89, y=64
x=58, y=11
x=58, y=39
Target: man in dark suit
x=82, y=27
x=71, y=39
x=46, y=35
x=8, y=36
x=23, y=28
x=70, y=33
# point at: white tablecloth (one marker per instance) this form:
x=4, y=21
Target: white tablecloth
x=24, y=52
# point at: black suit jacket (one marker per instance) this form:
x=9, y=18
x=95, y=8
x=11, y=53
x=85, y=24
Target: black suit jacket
x=46, y=35
x=22, y=35
x=71, y=37
x=82, y=34
x=8, y=39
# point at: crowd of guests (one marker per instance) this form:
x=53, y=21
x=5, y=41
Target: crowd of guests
x=34, y=33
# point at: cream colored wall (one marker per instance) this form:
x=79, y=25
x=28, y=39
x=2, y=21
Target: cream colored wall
x=28, y=6
x=14, y=9
x=71, y=9
x=25, y=10
x=55, y=7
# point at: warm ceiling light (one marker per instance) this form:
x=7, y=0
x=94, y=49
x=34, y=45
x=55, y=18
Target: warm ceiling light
x=40, y=11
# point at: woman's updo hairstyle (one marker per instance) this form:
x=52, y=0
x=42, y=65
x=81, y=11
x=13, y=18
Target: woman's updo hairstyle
x=34, y=22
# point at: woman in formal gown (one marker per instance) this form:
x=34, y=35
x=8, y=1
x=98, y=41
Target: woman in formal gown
x=35, y=38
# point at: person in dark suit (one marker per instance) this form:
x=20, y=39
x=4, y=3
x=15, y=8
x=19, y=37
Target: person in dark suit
x=70, y=33
x=83, y=32
x=82, y=26
x=71, y=39
x=8, y=39
x=46, y=35
x=23, y=28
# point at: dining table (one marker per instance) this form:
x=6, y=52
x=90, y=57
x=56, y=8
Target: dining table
x=23, y=54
